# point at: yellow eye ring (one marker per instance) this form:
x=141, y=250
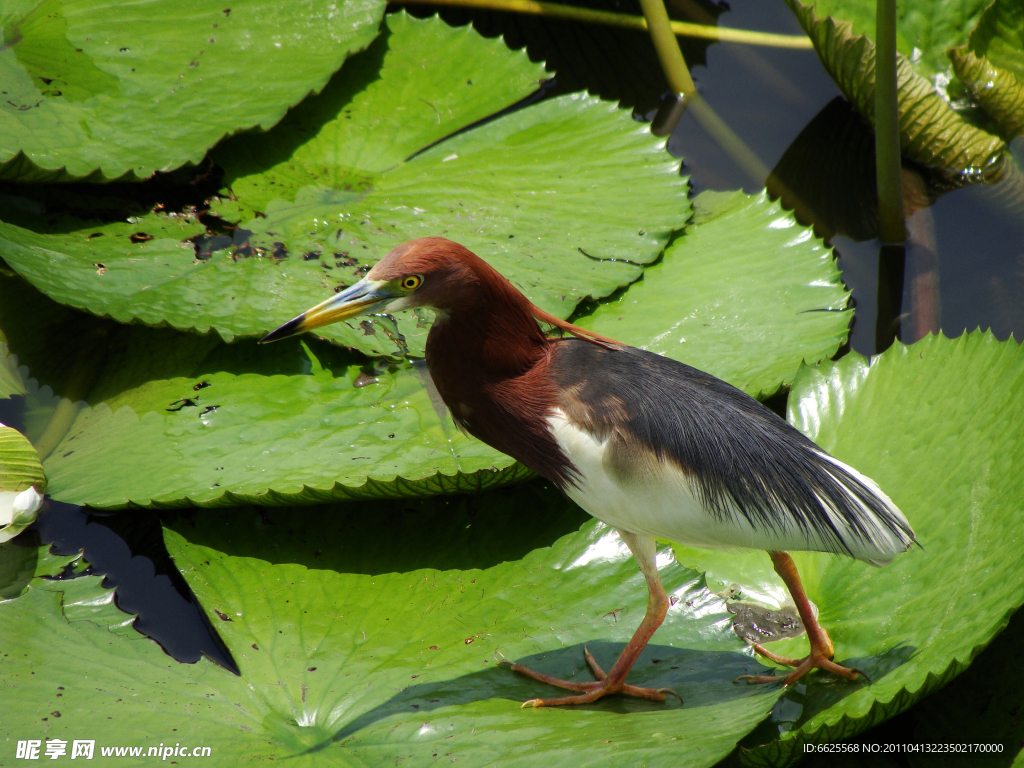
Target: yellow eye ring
x=412, y=282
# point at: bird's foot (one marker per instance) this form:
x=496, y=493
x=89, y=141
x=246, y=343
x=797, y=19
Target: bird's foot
x=588, y=691
x=819, y=658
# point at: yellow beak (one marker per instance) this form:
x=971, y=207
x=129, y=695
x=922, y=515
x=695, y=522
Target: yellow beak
x=365, y=297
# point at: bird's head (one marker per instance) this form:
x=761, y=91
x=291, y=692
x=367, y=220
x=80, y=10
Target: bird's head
x=429, y=272
x=444, y=276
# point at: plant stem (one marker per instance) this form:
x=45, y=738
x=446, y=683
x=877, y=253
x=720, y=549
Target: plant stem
x=891, y=227
x=671, y=57
x=572, y=13
x=892, y=264
x=679, y=80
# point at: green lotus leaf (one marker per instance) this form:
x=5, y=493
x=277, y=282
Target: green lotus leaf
x=19, y=463
x=992, y=65
x=999, y=36
x=212, y=424
x=292, y=424
x=373, y=648
x=930, y=131
x=20, y=563
x=105, y=90
x=360, y=648
x=615, y=63
x=935, y=424
x=11, y=382
x=567, y=198
x=924, y=29
x=1000, y=93
x=81, y=672
x=742, y=279
x=420, y=81
x=246, y=424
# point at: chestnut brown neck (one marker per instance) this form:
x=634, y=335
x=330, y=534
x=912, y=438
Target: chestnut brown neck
x=489, y=361
x=490, y=335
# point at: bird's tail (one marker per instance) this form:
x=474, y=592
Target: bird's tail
x=878, y=531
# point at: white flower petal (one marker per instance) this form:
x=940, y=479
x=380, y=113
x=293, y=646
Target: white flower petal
x=7, y=507
x=18, y=511
x=27, y=504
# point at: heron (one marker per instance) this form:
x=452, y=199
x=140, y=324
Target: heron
x=646, y=444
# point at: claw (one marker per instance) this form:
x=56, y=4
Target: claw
x=669, y=691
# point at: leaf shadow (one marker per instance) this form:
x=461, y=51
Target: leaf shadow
x=442, y=533
x=255, y=152
x=806, y=700
x=702, y=678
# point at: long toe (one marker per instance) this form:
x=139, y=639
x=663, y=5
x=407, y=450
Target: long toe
x=587, y=691
x=805, y=665
x=784, y=660
x=601, y=689
x=569, y=685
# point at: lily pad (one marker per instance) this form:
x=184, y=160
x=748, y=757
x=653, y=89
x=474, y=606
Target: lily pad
x=20, y=563
x=76, y=73
x=1000, y=93
x=931, y=132
x=567, y=198
x=935, y=424
x=420, y=81
x=366, y=662
x=615, y=63
x=992, y=65
x=925, y=29
x=742, y=279
x=11, y=382
x=19, y=463
x=202, y=422
x=245, y=424
x=335, y=645
x=80, y=670
x=206, y=423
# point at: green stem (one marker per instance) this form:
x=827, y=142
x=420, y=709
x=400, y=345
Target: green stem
x=891, y=227
x=671, y=57
x=572, y=13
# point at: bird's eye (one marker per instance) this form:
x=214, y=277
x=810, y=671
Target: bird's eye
x=412, y=282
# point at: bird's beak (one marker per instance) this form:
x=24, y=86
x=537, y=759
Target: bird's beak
x=364, y=297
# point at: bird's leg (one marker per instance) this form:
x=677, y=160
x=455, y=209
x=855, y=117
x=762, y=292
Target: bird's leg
x=822, y=650
x=643, y=548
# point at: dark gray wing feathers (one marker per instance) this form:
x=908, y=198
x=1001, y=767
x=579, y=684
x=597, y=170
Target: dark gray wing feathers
x=740, y=457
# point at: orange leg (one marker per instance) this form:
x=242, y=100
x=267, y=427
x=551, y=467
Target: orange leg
x=822, y=651
x=643, y=548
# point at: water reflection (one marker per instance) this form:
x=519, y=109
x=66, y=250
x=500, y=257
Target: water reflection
x=964, y=265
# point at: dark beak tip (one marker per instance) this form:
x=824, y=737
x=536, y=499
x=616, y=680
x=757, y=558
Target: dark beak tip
x=283, y=332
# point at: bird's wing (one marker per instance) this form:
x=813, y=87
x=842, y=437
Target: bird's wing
x=662, y=448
